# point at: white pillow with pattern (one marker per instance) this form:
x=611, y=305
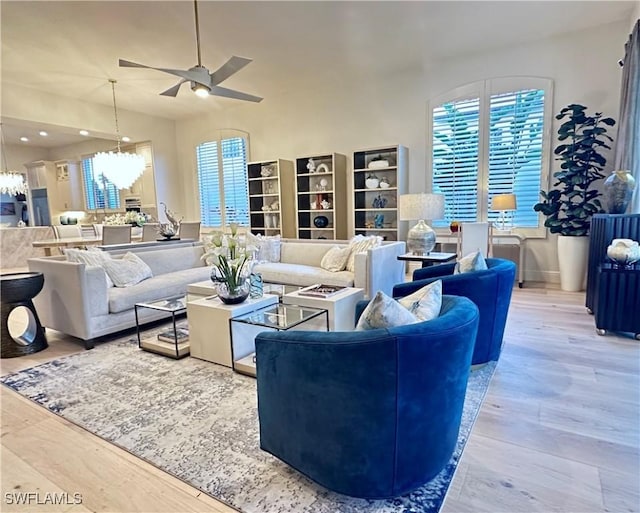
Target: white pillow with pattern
x=361, y=244
x=335, y=259
x=93, y=257
x=471, y=262
x=424, y=303
x=128, y=270
x=384, y=312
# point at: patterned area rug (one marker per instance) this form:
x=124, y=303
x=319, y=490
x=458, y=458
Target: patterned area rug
x=199, y=422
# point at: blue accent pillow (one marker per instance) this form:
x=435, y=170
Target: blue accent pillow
x=384, y=312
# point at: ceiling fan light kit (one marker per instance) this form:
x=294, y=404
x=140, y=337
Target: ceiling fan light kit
x=202, y=82
x=121, y=169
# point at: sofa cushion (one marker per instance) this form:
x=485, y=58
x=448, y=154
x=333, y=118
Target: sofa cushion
x=471, y=262
x=305, y=253
x=302, y=275
x=424, y=303
x=384, y=312
x=89, y=257
x=360, y=244
x=127, y=271
x=168, y=260
x=267, y=248
x=335, y=259
x=158, y=287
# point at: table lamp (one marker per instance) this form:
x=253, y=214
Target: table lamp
x=421, y=239
x=504, y=203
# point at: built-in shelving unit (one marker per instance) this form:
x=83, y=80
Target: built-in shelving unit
x=379, y=177
x=271, y=211
x=321, y=197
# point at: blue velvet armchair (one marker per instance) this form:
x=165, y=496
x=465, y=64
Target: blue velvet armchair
x=370, y=414
x=490, y=290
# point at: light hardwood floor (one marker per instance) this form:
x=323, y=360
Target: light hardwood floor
x=558, y=430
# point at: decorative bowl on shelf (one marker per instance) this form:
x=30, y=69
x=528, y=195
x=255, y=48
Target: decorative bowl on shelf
x=321, y=221
x=378, y=164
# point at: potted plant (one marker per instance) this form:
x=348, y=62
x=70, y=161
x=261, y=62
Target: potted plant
x=568, y=207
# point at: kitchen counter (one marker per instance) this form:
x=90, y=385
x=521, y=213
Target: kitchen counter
x=15, y=245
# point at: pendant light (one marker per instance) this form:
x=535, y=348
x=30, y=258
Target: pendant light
x=121, y=169
x=11, y=182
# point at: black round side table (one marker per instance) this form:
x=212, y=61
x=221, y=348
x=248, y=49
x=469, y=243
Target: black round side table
x=18, y=289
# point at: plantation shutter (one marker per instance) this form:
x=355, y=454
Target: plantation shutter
x=236, y=184
x=222, y=180
x=516, y=122
x=97, y=188
x=209, y=184
x=455, y=158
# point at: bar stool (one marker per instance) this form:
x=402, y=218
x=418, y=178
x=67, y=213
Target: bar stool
x=18, y=290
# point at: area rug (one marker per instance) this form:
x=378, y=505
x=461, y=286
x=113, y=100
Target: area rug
x=199, y=422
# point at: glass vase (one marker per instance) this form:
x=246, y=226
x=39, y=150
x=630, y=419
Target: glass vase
x=228, y=294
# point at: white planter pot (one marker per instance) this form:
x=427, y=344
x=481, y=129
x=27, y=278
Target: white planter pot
x=573, y=253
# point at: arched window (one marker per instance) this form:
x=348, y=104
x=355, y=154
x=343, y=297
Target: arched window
x=489, y=138
x=222, y=180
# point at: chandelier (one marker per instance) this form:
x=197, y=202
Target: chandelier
x=121, y=169
x=11, y=182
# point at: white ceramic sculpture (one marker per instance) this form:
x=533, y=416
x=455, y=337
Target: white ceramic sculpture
x=624, y=251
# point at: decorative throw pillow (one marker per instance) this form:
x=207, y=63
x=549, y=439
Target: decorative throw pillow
x=335, y=259
x=424, y=303
x=94, y=257
x=361, y=244
x=127, y=271
x=268, y=248
x=471, y=262
x=384, y=312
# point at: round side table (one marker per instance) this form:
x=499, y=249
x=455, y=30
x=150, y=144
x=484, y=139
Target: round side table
x=18, y=289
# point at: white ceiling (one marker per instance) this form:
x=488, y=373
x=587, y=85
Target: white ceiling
x=13, y=130
x=72, y=48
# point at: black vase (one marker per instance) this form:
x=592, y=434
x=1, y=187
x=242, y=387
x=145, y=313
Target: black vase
x=321, y=221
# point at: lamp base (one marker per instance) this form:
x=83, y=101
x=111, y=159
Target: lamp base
x=421, y=239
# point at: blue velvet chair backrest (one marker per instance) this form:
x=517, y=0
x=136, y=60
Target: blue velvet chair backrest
x=489, y=289
x=367, y=413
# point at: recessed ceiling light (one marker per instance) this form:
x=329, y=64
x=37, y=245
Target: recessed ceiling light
x=84, y=132
x=126, y=139
x=24, y=139
x=43, y=133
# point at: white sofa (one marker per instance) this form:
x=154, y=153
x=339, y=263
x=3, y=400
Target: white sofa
x=377, y=269
x=75, y=298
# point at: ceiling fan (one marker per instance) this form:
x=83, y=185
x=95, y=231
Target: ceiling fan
x=203, y=83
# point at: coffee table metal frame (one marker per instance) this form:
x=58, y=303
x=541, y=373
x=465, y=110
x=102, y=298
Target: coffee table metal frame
x=260, y=318
x=172, y=305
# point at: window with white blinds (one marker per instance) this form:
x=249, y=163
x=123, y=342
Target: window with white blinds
x=222, y=182
x=99, y=192
x=492, y=138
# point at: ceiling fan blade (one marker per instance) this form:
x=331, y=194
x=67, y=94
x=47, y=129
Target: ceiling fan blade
x=173, y=91
x=200, y=76
x=230, y=67
x=230, y=93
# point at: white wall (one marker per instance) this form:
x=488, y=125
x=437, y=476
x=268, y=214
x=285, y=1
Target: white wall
x=31, y=105
x=582, y=64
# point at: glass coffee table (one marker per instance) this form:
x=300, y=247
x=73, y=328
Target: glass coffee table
x=277, y=317
x=173, y=342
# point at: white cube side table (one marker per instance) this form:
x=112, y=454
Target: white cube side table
x=209, y=326
x=341, y=306
x=200, y=290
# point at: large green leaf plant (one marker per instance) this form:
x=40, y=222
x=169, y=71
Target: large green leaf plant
x=569, y=206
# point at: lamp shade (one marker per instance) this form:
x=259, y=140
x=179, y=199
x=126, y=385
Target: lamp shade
x=503, y=202
x=421, y=206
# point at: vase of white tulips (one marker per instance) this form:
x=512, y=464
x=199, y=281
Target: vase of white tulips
x=231, y=265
